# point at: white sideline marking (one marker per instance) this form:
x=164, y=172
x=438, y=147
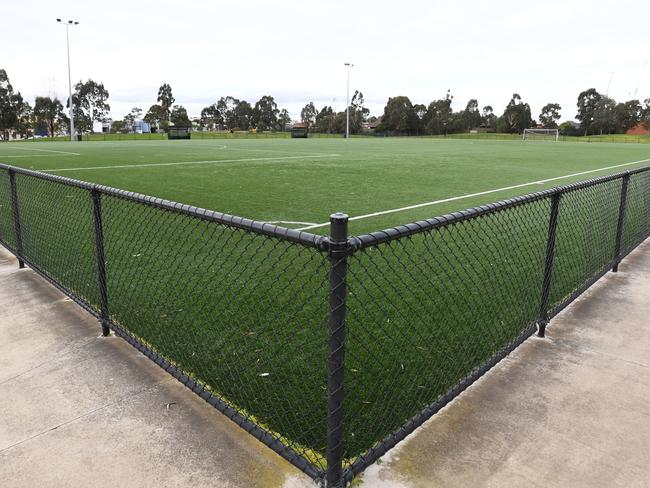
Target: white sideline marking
x=290, y=222
x=487, y=192
x=46, y=150
x=269, y=150
x=181, y=163
x=31, y=156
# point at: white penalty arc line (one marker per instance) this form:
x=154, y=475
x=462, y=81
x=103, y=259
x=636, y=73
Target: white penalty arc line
x=487, y=192
x=182, y=163
x=46, y=150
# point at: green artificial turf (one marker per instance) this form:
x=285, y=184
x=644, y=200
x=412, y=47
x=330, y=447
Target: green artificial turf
x=247, y=314
x=322, y=176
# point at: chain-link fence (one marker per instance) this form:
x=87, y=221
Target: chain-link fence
x=330, y=350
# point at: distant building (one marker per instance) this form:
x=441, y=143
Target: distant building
x=300, y=130
x=639, y=130
x=99, y=126
x=197, y=126
x=141, y=127
x=41, y=131
x=374, y=124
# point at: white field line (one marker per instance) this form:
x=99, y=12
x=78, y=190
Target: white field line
x=487, y=192
x=235, y=148
x=31, y=156
x=46, y=150
x=289, y=222
x=183, y=163
x=281, y=151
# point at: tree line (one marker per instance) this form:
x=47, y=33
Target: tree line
x=233, y=114
x=48, y=114
x=401, y=116
x=596, y=113
x=90, y=104
x=600, y=114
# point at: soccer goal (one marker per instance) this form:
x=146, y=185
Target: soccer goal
x=542, y=134
x=176, y=132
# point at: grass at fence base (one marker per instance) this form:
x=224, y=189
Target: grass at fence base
x=314, y=457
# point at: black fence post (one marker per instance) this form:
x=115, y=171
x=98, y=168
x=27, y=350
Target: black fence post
x=338, y=253
x=621, y=221
x=548, y=268
x=16, y=214
x=101, y=261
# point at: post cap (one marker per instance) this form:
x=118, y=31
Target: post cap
x=339, y=216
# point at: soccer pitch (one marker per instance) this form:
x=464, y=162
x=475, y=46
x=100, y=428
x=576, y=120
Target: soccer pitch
x=379, y=182
x=246, y=314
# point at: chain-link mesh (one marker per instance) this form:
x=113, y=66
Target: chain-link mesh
x=7, y=236
x=239, y=311
x=57, y=234
x=426, y=310
x=586, y=237
x=637, y=213
x=429, y=308
x=243, y=313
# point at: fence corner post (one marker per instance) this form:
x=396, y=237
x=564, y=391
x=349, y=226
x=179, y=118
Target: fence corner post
x=16, y=215
x=548, y=267
x=101, y=261
x=621, y=220
x=338, y=255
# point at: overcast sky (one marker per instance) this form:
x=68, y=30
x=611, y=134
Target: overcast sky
x=547, y=51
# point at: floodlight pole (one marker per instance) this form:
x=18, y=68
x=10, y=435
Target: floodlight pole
x=67, y=42
x=347, y=107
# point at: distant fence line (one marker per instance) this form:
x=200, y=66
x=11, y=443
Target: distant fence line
x=201, y=135
x=328, y=349
x=161, y=136
x=614, y=138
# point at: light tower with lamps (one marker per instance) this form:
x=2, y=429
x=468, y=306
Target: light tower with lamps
x=67, y=41
x=347, y=107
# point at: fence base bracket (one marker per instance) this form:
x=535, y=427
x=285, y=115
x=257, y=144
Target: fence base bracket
x=106, y=330
x=541, y=328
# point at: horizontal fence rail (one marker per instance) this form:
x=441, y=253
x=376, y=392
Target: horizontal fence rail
x=330, y=350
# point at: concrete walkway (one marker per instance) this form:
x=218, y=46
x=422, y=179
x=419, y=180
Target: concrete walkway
x=567, y=411
x=570, y=410
x=77, y=410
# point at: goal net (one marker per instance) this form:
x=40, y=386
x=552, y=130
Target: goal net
x=541, y=134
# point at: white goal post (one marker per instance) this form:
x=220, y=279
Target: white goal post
x=542, y=134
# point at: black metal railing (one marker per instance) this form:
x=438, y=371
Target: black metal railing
x=330, y=350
